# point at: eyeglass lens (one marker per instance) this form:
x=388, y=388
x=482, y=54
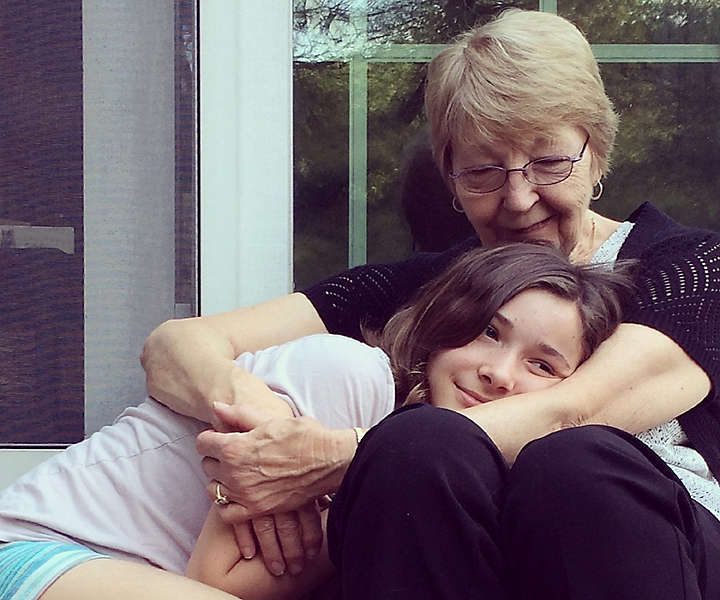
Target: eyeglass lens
x=544, y=171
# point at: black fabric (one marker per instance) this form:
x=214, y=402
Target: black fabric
x=428, y=509
x=417, y=513
x=370, y=294
x=679, y=295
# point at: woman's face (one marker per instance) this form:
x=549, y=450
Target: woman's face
x=523, y=211
x=532, y=342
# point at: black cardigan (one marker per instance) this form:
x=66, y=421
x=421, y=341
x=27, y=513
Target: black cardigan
x=679, y=294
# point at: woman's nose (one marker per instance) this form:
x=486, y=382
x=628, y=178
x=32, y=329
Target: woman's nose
x=519, y=194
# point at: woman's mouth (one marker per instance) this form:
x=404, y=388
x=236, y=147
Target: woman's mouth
x=530, y=229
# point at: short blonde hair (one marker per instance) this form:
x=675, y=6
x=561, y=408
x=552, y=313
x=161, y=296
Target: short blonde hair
x=515, y=78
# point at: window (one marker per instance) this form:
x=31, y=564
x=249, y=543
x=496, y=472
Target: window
x=98, y=205
x=358, y=118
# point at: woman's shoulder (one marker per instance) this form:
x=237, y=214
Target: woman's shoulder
x=657, y=237
x=370, y=294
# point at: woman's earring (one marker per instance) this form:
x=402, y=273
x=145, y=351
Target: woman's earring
x=597, y=191
x=456, y=206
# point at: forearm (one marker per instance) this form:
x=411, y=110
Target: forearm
x=189, y=362
x=186, y=362
x=637, y=379
x=217, y=561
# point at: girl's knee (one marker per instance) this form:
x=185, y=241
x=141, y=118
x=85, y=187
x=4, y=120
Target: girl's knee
x=584, y=467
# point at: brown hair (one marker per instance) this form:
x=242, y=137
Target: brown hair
x=456, y=307
x=515, y=78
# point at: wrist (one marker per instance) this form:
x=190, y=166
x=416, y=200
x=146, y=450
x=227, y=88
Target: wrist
x=343, y=442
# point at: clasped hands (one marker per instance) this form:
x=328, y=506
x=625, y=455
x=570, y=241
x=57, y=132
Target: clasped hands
x=272, y=472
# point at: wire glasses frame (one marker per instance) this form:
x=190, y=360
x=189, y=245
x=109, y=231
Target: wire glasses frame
x=546, y=170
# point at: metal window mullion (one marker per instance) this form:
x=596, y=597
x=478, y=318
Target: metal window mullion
x=655, y=53
x=357, y=217
x=603, y=52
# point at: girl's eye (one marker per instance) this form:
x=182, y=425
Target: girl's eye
x=545, y=368
x=491, y=332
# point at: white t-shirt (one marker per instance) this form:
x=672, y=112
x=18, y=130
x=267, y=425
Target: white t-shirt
x=136, y=490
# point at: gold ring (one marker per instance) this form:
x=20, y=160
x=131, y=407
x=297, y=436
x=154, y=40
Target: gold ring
x=220, y=498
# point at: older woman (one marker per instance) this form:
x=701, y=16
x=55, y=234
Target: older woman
x=515, y=497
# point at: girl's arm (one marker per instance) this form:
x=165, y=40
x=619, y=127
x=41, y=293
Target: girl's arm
x=216, y=561
x=637, y=379
x=189, y=362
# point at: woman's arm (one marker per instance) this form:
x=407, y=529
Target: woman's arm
x=189, y=362
x=217, y=561
x=637, y=379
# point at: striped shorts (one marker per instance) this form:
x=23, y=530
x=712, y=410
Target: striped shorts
x=28, y=568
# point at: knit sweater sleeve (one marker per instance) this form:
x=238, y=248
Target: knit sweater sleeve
x=369, y=295
x=679, y=295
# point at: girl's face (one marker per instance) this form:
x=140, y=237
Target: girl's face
x=532, y=342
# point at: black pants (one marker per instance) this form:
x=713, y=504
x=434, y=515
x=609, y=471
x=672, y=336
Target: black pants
x=429, y=509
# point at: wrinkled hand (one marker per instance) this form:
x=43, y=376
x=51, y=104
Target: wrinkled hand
x=270, y=477
x=277, y=466
x=285, y=539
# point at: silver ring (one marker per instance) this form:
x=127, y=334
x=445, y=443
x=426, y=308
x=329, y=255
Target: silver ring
x=220, y=498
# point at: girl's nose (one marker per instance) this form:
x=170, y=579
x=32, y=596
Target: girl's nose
x=497, y=374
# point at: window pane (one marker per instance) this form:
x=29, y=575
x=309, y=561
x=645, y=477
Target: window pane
x=320, y=187
x=413, y=22
x=63, y=223
x=409, y=207
x=668, y=148
x=41, y=219
x=642, y=22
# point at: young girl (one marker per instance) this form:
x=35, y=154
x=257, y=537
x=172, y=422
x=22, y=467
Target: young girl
x=497, y=323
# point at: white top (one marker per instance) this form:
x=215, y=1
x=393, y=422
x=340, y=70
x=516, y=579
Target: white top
x=669, y=441
x=136, y=490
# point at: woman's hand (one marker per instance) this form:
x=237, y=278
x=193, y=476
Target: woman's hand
x=285, y=540
x=272, y=475
x=277, y=466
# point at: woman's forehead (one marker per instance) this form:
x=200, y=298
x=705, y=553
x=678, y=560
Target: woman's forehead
x=526, y=141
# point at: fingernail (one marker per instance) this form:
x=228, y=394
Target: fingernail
x=220, y=405
x=295, y=569
x=277, y=568
x=247, y=553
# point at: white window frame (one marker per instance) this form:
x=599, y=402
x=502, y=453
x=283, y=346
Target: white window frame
x=245, y=165
x=245, y=152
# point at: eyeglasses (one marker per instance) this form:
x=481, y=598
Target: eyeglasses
x=546, y=170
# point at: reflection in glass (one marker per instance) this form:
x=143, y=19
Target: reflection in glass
x=409, y=206
x=668, y=148
x=320, y=185
x=643, y=22
x=334, y=29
